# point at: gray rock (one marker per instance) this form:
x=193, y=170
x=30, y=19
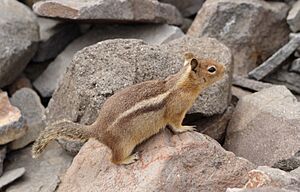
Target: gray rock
x=295, y=66
x=55, y=36
x=288, y=164
x=284, y=77
x=42, y=175
x=276, y=60
x=100, y=70
x=296, y=173
x=12, y=124
x=33, y=112
x=293, y=18
x=249, y=84
x=260, y=189
x=150, y=11
x=247, y=27
x=2, y=157
x=184, y=162
x=18, y=39
x=186, y=7
x=261, y=123
x=10, y=176
x=154, y=34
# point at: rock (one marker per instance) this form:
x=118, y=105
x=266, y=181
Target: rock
x=249, y=84
x=276, y=60
x=284, y=77
x=89, y=80
x=296, y=173
x=2, y=157
x=263, y=178
x=267, y=176
x=261, y=123
x=247, y=27
x=213, y=126
x=34, y=113
x=12, y=124
x=167, y=163
x=21, y=82
x=150, y=11
x=187, y=7
x=154, y=34
x=18, y=37
x=293, y=18
x=288, y=164
x=42, y=174
x=55, y=36
x=186, y=23
x=261, y=189
x=10, y=176
x=295, y=66
x=239, y=92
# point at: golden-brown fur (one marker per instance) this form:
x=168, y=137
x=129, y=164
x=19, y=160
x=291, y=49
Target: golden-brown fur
x=137, y=112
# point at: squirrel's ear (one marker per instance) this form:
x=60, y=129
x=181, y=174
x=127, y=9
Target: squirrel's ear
x=188, y=56
x=194, y=64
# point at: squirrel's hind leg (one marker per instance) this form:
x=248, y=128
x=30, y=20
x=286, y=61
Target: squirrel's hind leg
x=122, y=154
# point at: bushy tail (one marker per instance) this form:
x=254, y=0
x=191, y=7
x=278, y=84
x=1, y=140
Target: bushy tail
x=61, y=130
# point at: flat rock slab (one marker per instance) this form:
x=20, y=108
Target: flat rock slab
x=54, y=37
x=186, y=7
x=150, y=11
x=19, y=35
x=261, y=124
x=12, y=124
x=253, y=30
x=28, y=101
x=10, y=176
x=49, y=80
x=2, y=157
x=167, y=163
x=43, y=174
x=98, y=71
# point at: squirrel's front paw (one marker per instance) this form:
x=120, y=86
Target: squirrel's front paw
x=184, y=129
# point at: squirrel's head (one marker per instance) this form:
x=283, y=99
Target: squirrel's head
x=207, y=71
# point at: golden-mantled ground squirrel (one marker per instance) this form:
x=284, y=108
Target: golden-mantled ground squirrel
x=139, y=111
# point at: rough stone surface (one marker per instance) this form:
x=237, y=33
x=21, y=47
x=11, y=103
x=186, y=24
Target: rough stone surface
x=186, y=7
x=43, y=174
x=276, y=60
x=293, y=18
x=10, y=176
x=18, y=37
x=167, y=163
x=288, y=164
x=261, y=123
x=267, y=176
x=21, y=82
x=12, y=124
x=150, y=11
x=54, y=37
x=249, y=84
x=154, y=34
x=247, y=27
x=34, y=113
x=100, y=70
x=262, y=189
x=284, y=77
x=213, y=126
x=2, y=157
x=295, y=66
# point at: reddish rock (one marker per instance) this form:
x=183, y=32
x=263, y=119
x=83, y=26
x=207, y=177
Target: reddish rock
x=12, y=124
x=167, y=163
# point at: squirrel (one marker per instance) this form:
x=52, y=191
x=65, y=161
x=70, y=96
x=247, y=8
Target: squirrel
x=137, y=112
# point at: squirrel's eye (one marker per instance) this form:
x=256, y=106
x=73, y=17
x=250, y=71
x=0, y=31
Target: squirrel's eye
x=212, y=69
